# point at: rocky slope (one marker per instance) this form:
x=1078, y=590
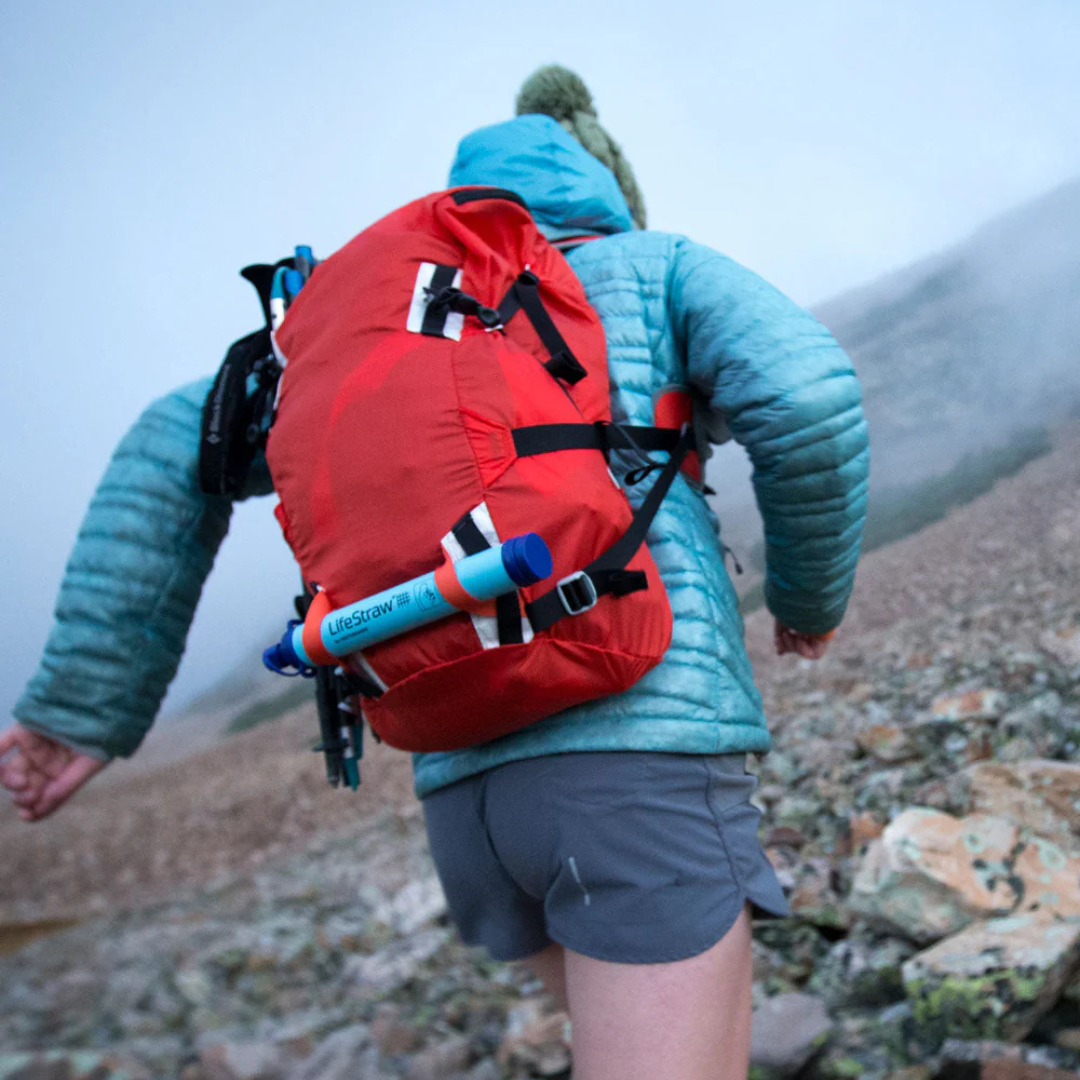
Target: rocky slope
x=922, y=785
x=920, y=806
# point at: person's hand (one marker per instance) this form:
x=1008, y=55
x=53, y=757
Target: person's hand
x=809, y=646
x=41, y=773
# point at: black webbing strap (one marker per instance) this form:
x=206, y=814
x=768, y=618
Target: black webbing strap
x=358, y=682
x=524, y=295
x=467, y=533
x=508, y=616
x=607, y=574
x=434, y=322
x=507, y=610
x=602, y=436
x=225, y=451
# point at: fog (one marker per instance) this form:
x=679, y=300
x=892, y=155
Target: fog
x=149, y=152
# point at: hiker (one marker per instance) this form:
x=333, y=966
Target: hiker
x=612, y=846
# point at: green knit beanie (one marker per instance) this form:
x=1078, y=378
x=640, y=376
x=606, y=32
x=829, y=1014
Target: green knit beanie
x=557, y=92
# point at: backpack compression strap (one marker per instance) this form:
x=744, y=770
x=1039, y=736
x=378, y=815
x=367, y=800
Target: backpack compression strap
x=607, y=574
x=507, y=612
x=603, y=436
x=524, y=295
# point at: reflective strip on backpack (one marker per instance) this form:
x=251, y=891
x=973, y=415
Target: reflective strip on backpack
x=430, y=279
x=361, y=661
x=492, y=631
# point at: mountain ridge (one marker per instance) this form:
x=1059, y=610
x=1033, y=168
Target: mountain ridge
x=962, y=349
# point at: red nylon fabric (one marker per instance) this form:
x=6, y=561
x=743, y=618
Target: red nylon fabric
x=673, y=409
x=385, y=438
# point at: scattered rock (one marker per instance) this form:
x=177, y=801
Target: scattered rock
x=1062, y=644
x=391, y=1034
x=785, y=836
x=973, y=705
x=959, y=1052
x=535, y=1040
x=398, y=962
x=1004, y=1069
x=1068, y=1039
x=418, y=903
x=862, y=971
x=814, y=897
x=195, y=985
x=242, y=1061
x=865, y=828
x=788, y=1030
x=441, y=1060
x=70, y=1065
x=338, y=1058
x=485, y=1070
x=887, y=742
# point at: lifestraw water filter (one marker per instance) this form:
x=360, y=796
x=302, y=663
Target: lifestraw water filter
x=325, y=636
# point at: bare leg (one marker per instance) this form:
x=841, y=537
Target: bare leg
x=550, y=965
x=688, y=1020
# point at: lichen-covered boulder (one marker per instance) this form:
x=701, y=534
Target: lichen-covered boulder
x=993, y=980
x=931, y=874
x=1043, y=796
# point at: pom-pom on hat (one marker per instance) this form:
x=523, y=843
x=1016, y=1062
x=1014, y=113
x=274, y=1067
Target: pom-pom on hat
x=557, y=92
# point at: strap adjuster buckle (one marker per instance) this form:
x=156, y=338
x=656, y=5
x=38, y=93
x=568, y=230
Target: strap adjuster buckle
x=577, y=593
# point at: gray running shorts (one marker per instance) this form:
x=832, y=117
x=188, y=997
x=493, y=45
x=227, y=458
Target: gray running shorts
x=637, y=858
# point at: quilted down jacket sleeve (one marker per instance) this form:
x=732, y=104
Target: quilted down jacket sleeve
x=131, y=585
x=791, y=398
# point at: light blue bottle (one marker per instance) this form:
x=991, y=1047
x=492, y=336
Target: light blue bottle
x=521, y=560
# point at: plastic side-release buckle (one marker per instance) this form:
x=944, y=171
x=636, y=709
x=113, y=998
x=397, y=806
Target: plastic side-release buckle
x=577, y=593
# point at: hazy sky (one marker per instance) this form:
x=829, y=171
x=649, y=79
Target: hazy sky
x=147, y=151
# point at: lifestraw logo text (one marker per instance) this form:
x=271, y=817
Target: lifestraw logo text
x=358, y=619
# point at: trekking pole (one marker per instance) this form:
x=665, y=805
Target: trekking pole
x=326, y=703
x=340, y=735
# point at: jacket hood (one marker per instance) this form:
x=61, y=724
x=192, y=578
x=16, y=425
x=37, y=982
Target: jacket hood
x=568, y=191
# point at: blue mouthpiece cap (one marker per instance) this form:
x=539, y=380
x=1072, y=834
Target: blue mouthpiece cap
x=527, y=559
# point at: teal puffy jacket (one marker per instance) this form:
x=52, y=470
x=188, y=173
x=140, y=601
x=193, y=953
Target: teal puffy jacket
x=675, y=314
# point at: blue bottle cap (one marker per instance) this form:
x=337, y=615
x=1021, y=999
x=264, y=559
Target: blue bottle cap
x=294, y=282
x=527, y=559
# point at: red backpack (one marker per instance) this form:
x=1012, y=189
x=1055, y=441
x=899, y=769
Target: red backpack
x=445, y=387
